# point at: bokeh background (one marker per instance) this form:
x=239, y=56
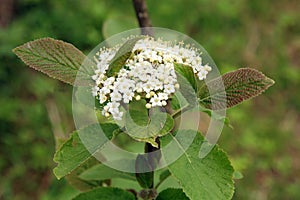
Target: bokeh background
x=265, y=142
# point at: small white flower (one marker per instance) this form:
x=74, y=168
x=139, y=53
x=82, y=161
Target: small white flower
x=144, y=76
x=95, y=91
x=127, y=96
x=102, y=67
x=117, y=115
x=163, y=96
x=110, y=81
x=158, y=85
x=98, y=81
x=105, y=108
x=104, y=90
x=147, y=87
x=207, y=68
x=197, y=68
x=202, y=74
x=115, y=96
x=169, y=89
x=169, y=80
x=123, y=73
x=113, y=106
x=168, y=58
x=155, y=101
x=123, y=87
x=102, y=98
x=95, y=77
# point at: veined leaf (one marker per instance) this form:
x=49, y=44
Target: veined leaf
x=57, y=59
x=103, y=172
x=80, y=184
x=214, y=115
x=74, y=152
x=145, y=179
x=201, y=178
x=172, y=193
x=105, y=193
x=146, y=128
x=188, y=83
x=175, y=102
x=187, y=72
x=233, y=88
x=164, y=175
x=122, y=56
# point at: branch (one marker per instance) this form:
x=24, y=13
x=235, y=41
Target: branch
x=6, y=12
x=142, y=15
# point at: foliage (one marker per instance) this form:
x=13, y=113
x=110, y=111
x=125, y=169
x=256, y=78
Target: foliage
x=55, y=58
x=213, y=173
x=239, y=86
x=106, y=193
x=73, y=153
x=121, y=56
x=149, y=127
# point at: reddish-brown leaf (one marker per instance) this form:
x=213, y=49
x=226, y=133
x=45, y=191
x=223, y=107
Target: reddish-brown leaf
x=233, y=88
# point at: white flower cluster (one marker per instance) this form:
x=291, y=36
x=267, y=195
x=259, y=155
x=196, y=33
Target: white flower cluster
x=149, y=73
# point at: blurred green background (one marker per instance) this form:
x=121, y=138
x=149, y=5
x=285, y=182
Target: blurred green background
x=265, y=142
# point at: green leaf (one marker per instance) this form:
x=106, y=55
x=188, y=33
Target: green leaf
x=187, y=72
x=201, y=178
x=122, y=56
x=164, y=175
x=73, y=152
x=188, y=83
x=138, y=112
x=106, y=193
x=146, y=178
x=146, y=128
x=103, y=172
x=216, y=116
x=178, y=101
x=175, y=102
x=57, y=59
x=172, y=193
x=83, y=185
x=83, y=95
x=233, y=88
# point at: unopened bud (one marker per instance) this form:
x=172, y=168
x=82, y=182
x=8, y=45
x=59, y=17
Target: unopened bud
x=138, y=97
x=152, y=93
x=139, y=90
